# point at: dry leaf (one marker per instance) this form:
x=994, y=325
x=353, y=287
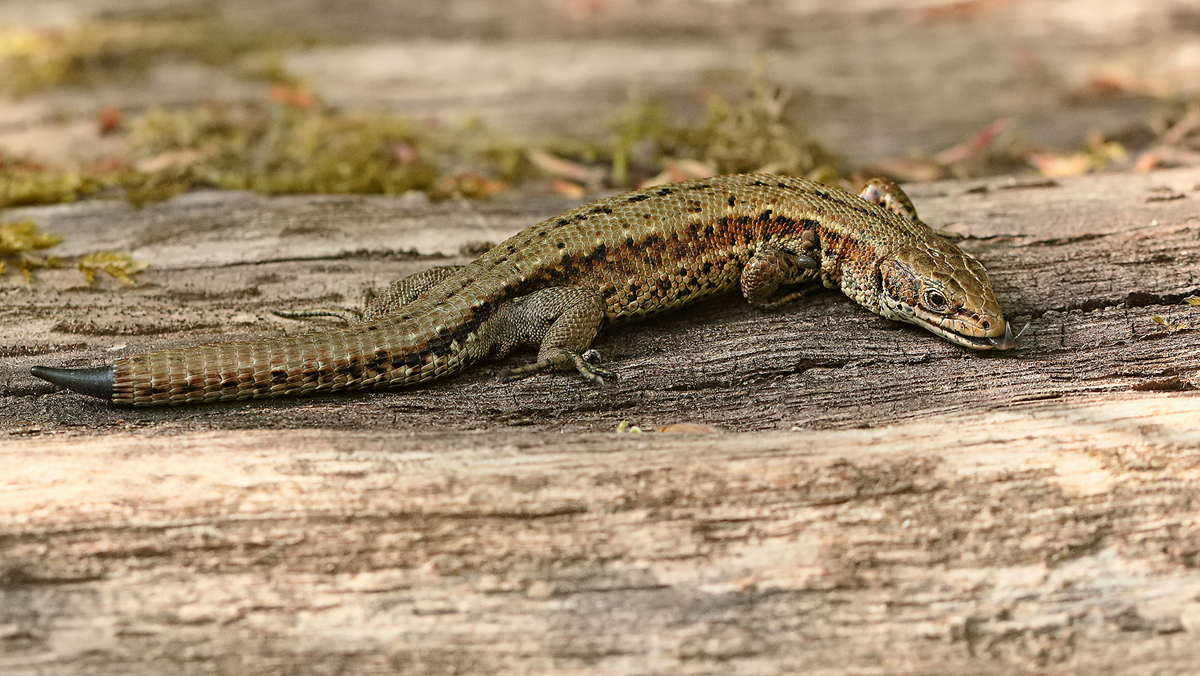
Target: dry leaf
x=675, y=171
x=1054, y=165
x=293, y=96
x=172, y=159
x=1170, y=326
x=977, y=143
x=108, y=120
x=566, y=188
x=590, y=177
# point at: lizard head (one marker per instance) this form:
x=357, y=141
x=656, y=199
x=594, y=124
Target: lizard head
x=943, y=289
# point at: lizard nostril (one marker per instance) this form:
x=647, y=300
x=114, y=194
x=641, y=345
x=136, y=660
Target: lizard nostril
x=985, y=324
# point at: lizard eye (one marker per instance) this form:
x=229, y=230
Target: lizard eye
x=935, y=300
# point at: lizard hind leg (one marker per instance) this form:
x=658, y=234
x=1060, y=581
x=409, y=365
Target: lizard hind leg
x=406, y=290
x=768, y=270
x=396, y=296
x=563, y=321
x=890, y=196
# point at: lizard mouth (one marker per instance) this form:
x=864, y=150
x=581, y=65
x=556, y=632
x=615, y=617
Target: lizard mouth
x=1004, y=342
x=894, y=310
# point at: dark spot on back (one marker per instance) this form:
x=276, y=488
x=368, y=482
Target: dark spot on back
x=638, y=198
x=666, y=191
x=598, y=255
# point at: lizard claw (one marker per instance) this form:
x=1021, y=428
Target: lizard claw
x=564, y=359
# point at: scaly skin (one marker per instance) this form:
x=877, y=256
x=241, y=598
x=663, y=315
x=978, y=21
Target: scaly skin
x=623, y=257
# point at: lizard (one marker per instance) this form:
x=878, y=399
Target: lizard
x=556, y=283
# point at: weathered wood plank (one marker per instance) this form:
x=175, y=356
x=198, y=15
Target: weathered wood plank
x=1089, y=298
x=876, y=501
x=1060, y=538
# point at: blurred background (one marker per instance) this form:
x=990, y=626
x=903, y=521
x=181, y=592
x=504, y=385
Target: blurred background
x=143, y=99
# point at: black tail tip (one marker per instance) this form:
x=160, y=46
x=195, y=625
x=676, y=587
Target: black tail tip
x=94, y=382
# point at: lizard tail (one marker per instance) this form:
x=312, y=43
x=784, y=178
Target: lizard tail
x=94, y=382
x=358, y=357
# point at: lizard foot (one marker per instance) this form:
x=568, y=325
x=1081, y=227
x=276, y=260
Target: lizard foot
x=562, y=360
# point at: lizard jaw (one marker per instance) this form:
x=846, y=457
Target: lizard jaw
x=893, y=309
x=1004, y=342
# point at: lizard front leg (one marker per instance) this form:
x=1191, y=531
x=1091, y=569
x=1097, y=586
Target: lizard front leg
x=562, y=320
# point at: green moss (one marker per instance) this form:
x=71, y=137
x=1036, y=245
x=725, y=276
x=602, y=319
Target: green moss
x=757, y=133
x=27, y=183
x=21, y=240
x=279, y=149
x=18, y=242
x=116, y=264
x=295, y=144
x=98, y=51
